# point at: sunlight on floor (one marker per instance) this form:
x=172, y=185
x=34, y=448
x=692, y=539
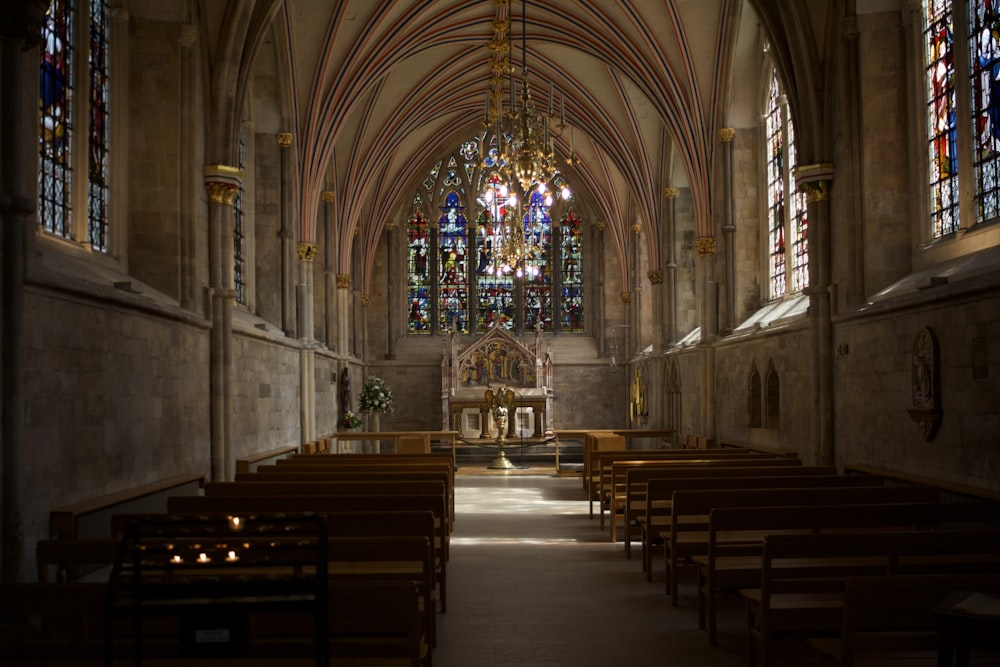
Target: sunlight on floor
x=499, y=500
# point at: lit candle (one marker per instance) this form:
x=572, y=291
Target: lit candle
x=175, y=559
x=235, y=523
x=203, y=558
x=232, y=556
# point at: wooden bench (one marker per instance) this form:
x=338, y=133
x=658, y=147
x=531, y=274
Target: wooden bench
x=613, y=470
x=329, y=504
x=250, y=463
x=660, y=492
x=90, y=519
x=688, y=534
x=637, y=481
x=803, y=577
x=736, y=535
x=898, y=618
x=68, y=560
x=361, y=472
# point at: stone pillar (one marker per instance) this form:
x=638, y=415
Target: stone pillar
x=655, y=383
x=307, y=356
x=20, y=25
x=287, y=235
x=597, y=237
x=726, y=135
x=671, y=274
x=343, y=312
x=190, y=201
x=329, y=274
x=391, y=313
x=222, y=184
x=815, y=180
x=705, y=246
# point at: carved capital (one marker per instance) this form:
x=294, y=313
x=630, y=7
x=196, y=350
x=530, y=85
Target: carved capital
x=705, y=245
x=307, y=251
x=656, y=277
x=327, y=196
x=343, y=280
x=222, y=183
x=726, y=134
x=670, y=193
x=599, y=225
x=636, y=228
x=626, y=297
x=285, y=139
x=365, y=299
x=814, y=180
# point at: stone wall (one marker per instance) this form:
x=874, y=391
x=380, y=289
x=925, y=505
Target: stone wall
x=266, y=397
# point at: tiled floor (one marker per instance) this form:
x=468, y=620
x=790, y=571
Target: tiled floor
x=533, y=582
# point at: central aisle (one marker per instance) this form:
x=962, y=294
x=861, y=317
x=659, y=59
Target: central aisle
x=533, y=582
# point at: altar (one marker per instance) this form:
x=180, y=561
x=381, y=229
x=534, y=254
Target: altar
x=497, y=359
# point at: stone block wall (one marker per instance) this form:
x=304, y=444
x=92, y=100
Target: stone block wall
x=266, y=396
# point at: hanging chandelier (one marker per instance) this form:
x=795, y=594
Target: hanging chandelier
x=524, y=162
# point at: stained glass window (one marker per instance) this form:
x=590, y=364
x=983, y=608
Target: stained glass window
x=55, y=120
x=453, y=284
x=572, y=273
x=239, y=231
x=985, y=41
x=538, y=271
x=774, y=125
x=942, y=122
x=419, y=282
x=787, y=216
x=453, y=293
x=98, y=130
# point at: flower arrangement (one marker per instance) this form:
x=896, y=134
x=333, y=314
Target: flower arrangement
x=376, y=396
x=350, y=420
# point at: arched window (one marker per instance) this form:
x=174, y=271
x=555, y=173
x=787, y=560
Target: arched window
x=452, y=282
x=949, y=82
x=57, y=115
x=788, y=223
x=772, y=398
x=755, y=404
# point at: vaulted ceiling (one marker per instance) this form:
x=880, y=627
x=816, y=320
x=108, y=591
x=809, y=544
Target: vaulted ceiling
x=379, y=90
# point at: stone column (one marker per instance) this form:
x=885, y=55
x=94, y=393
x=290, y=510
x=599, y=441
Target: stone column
x=222, y=184
x=329, y=274
x=391, y=313
x=343, y=312
x=287, y=235
x=815, y=180
x=705, y=246
x=726, y=135
x=670, y=194
x=307, y=355
x=597, y=237
x=20, y=26
x=190, y=201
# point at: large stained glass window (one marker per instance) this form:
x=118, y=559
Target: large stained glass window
x=984, y=35
x=942, y=121
x=453, y=291
x=453, y=284
x=788, y=222
x=57, y=140
x=571, y=306
x=55, y=175
x=419, y=282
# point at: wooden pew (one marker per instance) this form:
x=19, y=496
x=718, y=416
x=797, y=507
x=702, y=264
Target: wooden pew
x=736, y=535
x=637, y=479
x=615, y=503
x=360, y=472
x=90, y=519
x=898, y=618
x=660, y=492
x=326, y=505
x=614, y=469
x=67, y=560
x=803, y=577
x=601, y=461
x=689, y=517
x=372, y=623
x=249, y=463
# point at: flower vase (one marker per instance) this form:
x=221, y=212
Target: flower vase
x=375, y=422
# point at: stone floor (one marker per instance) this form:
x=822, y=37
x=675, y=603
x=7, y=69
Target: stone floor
x=533, y=582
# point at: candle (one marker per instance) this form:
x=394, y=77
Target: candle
x=235, y=523
x=175, y=559
x=232, y=557
x=203, y=558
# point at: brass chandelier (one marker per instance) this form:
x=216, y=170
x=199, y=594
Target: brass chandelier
x=524, y=162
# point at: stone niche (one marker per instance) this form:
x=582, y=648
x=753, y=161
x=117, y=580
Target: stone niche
x=498, y=359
